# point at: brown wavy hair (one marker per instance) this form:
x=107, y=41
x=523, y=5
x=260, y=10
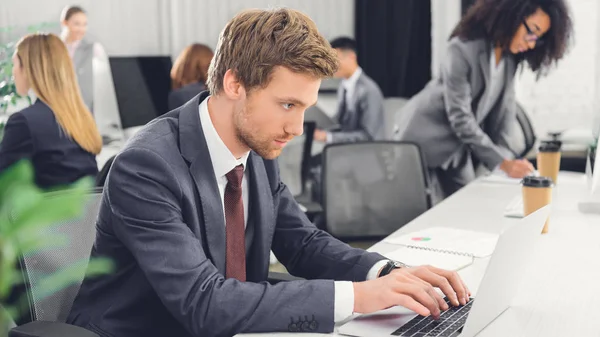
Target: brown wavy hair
x=191, y=65
x=256, y=41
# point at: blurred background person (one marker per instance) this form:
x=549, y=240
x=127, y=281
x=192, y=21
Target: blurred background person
x=467, y=113
x=57, y=132
x=360, y=113
x=189, y=73
x=93, y=73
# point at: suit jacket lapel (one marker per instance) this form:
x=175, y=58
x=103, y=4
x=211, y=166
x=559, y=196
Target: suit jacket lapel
x=484, y=63
x=194, y=149
x=262, y=211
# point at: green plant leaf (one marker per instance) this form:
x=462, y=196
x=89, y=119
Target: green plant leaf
x=44, y=241
x=20, y=174
x=8, y=259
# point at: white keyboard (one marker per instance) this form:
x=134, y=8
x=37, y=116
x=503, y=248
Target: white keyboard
x=514, y=209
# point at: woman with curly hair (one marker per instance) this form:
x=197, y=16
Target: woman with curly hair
x=469, y=110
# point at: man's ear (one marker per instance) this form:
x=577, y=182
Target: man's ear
x=232, y=88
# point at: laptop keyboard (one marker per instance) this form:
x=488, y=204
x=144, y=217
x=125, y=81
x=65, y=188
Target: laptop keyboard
x=449, y=324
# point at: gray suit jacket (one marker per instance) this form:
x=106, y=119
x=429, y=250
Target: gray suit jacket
x=446, y=119
x=180, y=96
x=364, y=119
x=162, y=222
x=83, y=63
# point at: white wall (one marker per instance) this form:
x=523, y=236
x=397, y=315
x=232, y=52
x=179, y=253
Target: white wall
x=569, y=97
x=445, y=14
x=163, y=27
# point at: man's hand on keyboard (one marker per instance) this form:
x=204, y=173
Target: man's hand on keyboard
x=412, y=288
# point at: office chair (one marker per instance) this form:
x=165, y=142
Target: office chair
x=371, y=189
x=103, y=174
x=392, y=106
x=48, y=313
x=528, y=131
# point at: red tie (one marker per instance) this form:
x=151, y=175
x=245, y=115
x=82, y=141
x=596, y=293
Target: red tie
x=235, y=258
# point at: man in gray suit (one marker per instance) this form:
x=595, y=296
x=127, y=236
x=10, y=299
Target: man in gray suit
x=360, y=111
x=194, y=203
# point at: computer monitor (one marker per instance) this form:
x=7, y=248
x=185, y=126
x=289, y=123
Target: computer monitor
x=591, y=201
x=142, y=86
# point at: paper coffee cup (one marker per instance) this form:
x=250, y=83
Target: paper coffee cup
x=537, y=193
x=548, y=159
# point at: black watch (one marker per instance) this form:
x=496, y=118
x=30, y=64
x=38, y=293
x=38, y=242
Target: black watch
x=389, y=266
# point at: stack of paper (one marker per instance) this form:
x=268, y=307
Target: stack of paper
x=449, y=240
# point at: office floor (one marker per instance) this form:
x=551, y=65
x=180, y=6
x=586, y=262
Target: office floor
x=278, y=267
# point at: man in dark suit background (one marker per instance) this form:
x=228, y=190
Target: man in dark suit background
x=194, y=203
x=360, y=111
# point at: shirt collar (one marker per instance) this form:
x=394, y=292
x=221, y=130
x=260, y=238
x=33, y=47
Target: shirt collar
x=351, y=81
x=222, y=159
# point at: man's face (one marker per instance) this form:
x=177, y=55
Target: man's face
x=268, y=118
x=346, y=59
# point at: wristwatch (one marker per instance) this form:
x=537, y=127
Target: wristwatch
x=389, y=266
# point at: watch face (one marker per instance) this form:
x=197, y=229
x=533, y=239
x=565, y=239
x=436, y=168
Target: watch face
x=399, y=264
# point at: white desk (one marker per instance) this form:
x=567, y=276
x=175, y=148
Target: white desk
x=560, y=295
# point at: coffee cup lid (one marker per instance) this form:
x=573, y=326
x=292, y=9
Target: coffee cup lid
x=550, y=146
x=534, y=181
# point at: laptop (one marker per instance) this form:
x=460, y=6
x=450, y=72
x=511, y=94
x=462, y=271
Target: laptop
x=495, y=294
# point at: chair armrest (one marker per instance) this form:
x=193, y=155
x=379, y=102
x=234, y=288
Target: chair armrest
x=333, y=128
x=275, y=278
x=49, y=329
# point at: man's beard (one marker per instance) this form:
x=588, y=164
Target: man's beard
x=252, y=138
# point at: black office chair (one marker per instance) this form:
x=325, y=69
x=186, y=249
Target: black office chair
x=48, y=313
x=103, y=174
x=528, y=131
x=371, y=189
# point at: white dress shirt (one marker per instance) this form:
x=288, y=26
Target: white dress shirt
x=350, y=85
x=223, y=161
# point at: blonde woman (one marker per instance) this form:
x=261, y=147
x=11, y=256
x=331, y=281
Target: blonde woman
x=57, y=132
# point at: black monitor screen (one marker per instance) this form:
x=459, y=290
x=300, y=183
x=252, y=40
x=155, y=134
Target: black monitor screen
x=142, y=85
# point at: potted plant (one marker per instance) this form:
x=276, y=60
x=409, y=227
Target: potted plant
x=26, y=214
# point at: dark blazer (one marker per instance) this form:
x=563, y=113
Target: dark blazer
x=446, y=118
x=161, y=221
x=180, y=96
x=33, y=133
x=364, y=118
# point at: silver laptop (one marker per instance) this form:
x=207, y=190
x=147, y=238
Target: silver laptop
x=495, y=294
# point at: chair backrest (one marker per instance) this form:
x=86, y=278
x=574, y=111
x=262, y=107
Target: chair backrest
x=294, y=161
x=371, y=189
x=80, y=233
x=529, y=137
x=391, y=106
x=103, y=174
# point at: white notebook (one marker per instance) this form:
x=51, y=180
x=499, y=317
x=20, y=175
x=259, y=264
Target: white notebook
x=499, y=177
x=450, y=241
x=418, y=257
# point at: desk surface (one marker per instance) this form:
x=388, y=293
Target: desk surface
x=560, y=294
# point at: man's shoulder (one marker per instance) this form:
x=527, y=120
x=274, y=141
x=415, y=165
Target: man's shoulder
x=160, y=135
x=369, y=85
